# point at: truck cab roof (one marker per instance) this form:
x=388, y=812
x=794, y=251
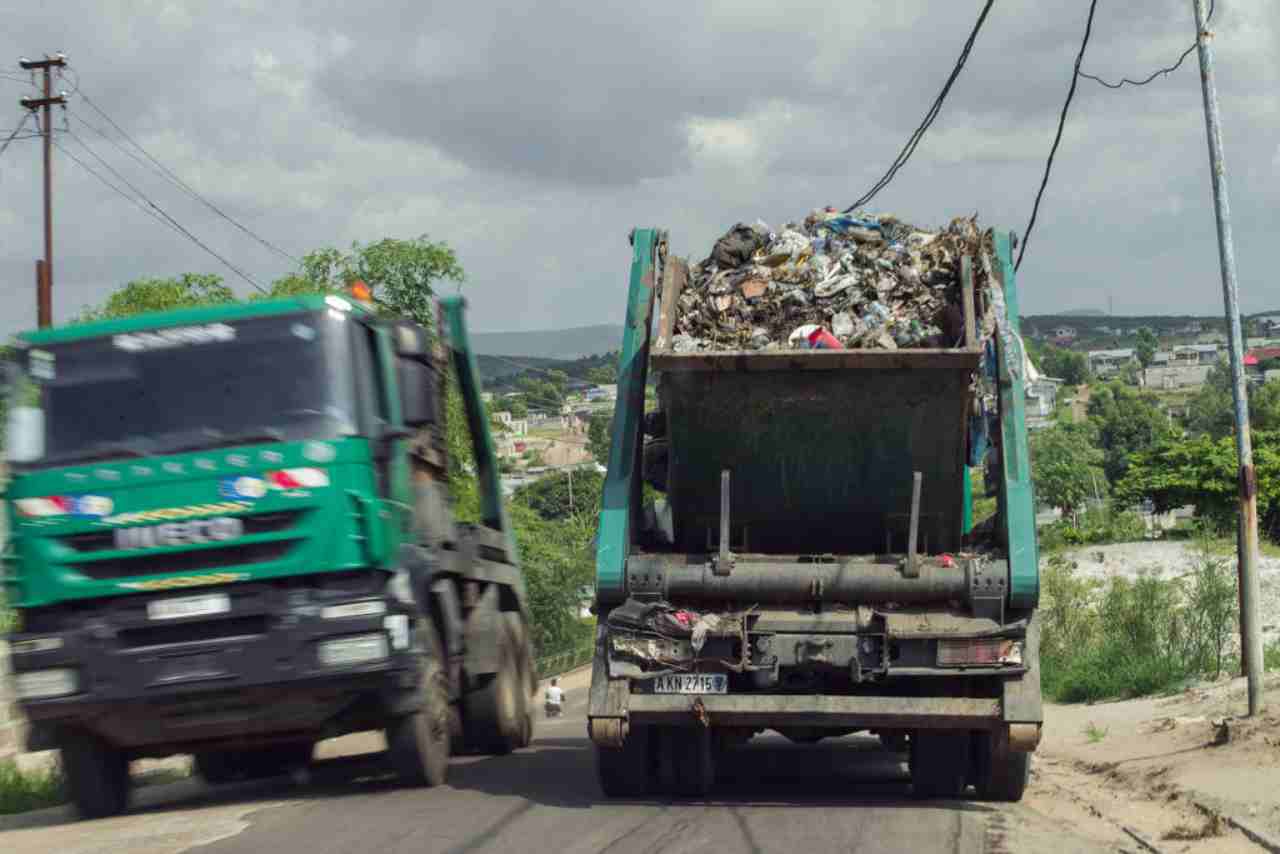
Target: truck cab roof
x=184, y=317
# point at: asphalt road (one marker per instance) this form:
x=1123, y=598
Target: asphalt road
x=846, y=795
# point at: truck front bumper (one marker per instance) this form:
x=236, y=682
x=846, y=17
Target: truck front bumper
x=253, y=671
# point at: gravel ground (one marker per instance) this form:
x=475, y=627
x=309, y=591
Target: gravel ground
x=1174, y=558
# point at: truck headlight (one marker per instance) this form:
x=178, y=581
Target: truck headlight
x=30, y=645
x=372, y=608
x=42, y=684
x=355, y=649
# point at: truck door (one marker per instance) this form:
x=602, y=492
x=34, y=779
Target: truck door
x=380, y=401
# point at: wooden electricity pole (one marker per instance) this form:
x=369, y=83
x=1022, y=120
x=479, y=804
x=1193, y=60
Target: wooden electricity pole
x=44, y=287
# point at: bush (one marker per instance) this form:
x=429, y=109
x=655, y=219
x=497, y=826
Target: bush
x=21, y=791
x=1096, y=526
x=1130, y=637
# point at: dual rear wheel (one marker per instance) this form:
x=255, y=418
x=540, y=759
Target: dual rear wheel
x=677, y=761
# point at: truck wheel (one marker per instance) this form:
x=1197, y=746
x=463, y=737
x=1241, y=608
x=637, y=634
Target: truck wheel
x=625, y=771
x=97, y=775
x=494, y=720
x=939, y=763
x=418, y=743
x=686, y=765
x=999, y=774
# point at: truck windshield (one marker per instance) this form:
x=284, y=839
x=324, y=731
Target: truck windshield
x=162, y=391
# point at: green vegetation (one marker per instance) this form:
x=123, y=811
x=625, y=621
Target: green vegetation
x=1067, y=465
x=21, y=791
x=1095, y=733
x=1095, y=526
x=1130, y=637
x=598, y=438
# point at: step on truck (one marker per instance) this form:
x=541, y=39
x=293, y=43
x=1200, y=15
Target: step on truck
x=232, y=537
x=786, y=543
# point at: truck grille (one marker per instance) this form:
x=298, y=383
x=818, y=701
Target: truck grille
x=226, y=556
x=257, y=523
x=235, y=627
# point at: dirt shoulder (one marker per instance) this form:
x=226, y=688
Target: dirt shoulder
x=1154, y=765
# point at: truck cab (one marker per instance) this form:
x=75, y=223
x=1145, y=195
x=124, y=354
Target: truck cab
x=232, y=537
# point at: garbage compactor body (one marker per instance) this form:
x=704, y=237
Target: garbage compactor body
x=810, y=563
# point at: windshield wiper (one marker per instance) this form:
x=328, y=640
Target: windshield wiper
x=100, y=451
x=215, y=438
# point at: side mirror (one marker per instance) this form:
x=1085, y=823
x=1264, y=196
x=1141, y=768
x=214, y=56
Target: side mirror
x=24, y=430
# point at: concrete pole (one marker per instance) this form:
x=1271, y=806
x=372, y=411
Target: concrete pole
x=1250, y=634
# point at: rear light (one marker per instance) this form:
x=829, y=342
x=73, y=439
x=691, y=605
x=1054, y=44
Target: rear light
x=988, y=652
x=305, y=478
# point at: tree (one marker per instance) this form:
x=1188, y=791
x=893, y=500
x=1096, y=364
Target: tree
x=599, y=429
x=1211, y=410
x=141, y=296
x=604, y=375
x=1127, y=420
x=551, y=496
x=1202, y=470
x=1147, y=345
x=402, y=274
x=515, y=405
x=1066, y=465
x=542, y=393
x=1067, y=365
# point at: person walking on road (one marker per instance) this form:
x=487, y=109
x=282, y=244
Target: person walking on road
x=555, y=699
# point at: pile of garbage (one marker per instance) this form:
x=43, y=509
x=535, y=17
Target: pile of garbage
x=836, y=280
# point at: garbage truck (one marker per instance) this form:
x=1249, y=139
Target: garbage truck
x=787, y=542
x=232, y=536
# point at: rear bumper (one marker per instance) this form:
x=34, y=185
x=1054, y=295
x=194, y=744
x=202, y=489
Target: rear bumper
x=201, y=682
x=786, y=710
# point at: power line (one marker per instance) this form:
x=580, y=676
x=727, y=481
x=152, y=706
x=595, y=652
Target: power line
x=914, y=140
x=195, y=194
x=1159, y=72
x=16, y=130
x=144, y=200
x=1062, y=121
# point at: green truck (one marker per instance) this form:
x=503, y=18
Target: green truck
x=232, y=536
x=787, y=543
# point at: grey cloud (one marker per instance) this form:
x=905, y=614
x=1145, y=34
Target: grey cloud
x=533, y=137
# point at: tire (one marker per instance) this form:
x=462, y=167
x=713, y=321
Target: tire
x=626, y=772
x=418, y=743
x=97, y=775
x=999, y=774
x=939, y=763
x=685, y=761
x=526, y=731
x=494, y=720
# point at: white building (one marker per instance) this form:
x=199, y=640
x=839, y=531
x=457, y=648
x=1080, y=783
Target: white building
x=1109, y=362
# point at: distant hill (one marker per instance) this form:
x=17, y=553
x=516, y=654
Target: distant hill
x=495, y=369
x=1084, y=312
x=572, y=343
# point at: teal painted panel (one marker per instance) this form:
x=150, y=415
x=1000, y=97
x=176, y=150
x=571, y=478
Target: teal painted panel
x=1018, y=501
x=492, y=511
x=622, y=482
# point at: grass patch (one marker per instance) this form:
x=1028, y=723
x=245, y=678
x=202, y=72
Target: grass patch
x=1132, y=637
x=1271, y=656
x=22, y=791
x=1095, y=733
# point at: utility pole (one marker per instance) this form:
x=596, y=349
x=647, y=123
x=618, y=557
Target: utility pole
x=44, y=300
x=1250, y=635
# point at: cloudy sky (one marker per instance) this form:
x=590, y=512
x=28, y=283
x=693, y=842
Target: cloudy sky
x=532, y=136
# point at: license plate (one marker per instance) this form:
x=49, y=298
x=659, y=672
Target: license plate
x=692, y=683
x=189, y=606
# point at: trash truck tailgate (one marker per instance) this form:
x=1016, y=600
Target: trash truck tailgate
x=820, y=445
